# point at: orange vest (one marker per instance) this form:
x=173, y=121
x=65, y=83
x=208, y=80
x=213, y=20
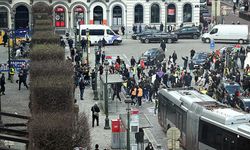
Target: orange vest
x=134, y=92
x=140, y=92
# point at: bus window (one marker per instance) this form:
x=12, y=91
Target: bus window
x=83, y=32
x=109, y=32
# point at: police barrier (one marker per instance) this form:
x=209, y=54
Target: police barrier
x=15, y=63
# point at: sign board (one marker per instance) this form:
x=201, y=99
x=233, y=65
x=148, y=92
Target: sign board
x=4, y=68
x=212, y=44
x=19, y=63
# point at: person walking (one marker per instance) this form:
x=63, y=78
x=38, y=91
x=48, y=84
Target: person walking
x=132, y=61
x=104, y=42
x=140, y=29
x=163, y=45
x=5, y=39
x=81, y=87
x=134, y=28
x=95, y=114
x=22, y=79
x=139, y=95
x=103, y=56
x=123, y=30
x=2, y=84
x=117, y=89
x=70, y=43
x=96, y=147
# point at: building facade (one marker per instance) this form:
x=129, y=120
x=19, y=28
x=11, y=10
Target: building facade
x=115, y=13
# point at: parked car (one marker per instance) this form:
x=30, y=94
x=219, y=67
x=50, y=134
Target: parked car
x=199, y=59
x=188, y=32
x=227, y=86
x=153, y=55
x=244, y=103
x=137, y=36
x=157, y=37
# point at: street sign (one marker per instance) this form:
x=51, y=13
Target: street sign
x=4, y=68
x=212, y=44
x=19, y=63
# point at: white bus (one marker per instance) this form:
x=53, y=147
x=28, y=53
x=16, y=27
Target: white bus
x=98, y=32
x=205, y=124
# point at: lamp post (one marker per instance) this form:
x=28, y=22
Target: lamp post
x=9, y=57
x=87, y=45
x=128, y=101
x=96, y=73
x=106, y=63
x=75, y=29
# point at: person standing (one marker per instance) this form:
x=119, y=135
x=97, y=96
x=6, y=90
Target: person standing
x=192, y=53
x=95, y=114
x=2, y=84
x=139, y=95
x=149, y=147
x=103, y=56
x=5, y=39
x=161, y=27
x=242, y=57
x=104, y=42
x=132, y=61
x=12, y=73
x=163, y=45
x=22, y=79
x=134, y=28
x=81, y=87
x=70, y=43
x=185, y=62
x=174, y=57
x=72, y=54
x=83, y=44
x=140, y=29
x=133, y=94
x=123, y=30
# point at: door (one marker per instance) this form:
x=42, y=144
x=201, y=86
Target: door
x=109, y=37
x=22, y=18
x=214, y=34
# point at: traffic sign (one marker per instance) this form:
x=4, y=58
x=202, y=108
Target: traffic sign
x=212, y=44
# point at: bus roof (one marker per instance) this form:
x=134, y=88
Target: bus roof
x=210, y=110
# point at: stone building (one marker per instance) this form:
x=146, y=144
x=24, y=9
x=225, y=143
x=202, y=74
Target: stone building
x=114, y=13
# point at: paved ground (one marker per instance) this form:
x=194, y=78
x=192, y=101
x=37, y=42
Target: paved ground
x=17, y=101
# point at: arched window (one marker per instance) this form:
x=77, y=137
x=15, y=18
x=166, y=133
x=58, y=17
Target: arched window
x=138, y=14
x=3, y=17
x=117, y=15
x=79, y=15
x=171, y=11
x=98, y=15
x=187, y=13
x=59, y=16
x=155, y=13
x=22, y=17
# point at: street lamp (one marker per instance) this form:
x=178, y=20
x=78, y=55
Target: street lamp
x=95, y=87
x=128, y=101
x=9, y=57
x=106, y=63
x=87, y=45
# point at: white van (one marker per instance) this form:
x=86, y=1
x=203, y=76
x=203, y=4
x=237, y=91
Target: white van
x=227, y=33
x=97, y=32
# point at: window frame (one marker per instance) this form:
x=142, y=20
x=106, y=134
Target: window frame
x=155, y=18
x=117, y=15
x=62, y=14
x=185, y=12
x=138, y=18
x=168, y=18
x=4, y=21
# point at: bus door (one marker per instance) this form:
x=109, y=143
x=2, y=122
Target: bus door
x=229, y=142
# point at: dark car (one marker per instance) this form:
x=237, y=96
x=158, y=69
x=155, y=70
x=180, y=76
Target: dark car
x=199, y=59
x=244, y=103
x=153, y=55
x=227, y=86
x=137, y=36
x=188, y=32
x=157, y=37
